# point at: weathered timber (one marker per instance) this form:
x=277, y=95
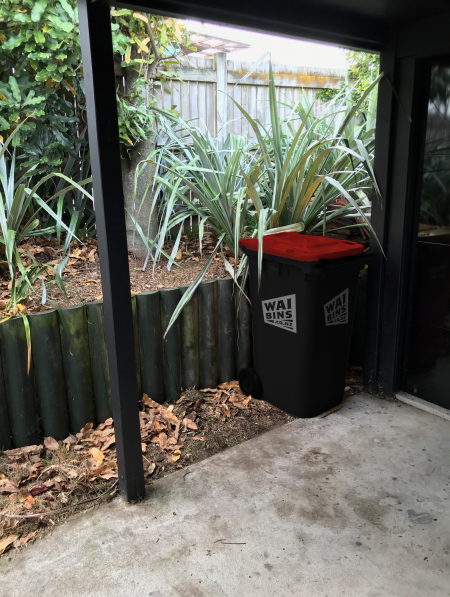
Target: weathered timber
x=136, y=347
x=49, y=374
x=77, y=368
x=244, y=342
x=99, y=361
x=19, y=384
x=226, y=329
x=5, y=429
x=150, y=343
x=171, y=345
x=207, y=315
x=190, y=367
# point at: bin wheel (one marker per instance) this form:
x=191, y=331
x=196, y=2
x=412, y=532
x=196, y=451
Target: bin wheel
x=250, y=382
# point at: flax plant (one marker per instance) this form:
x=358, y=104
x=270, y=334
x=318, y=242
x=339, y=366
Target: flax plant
x=20, y=207
x=288, y=178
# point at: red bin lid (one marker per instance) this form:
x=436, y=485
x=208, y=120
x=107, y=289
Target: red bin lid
x=303, y=247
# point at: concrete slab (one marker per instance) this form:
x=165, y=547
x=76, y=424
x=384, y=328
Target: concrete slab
x=355, y=504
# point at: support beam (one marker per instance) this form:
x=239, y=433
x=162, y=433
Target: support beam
x=380, y=215
x=98, y=67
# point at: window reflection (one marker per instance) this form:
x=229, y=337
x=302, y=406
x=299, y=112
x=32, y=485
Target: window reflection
x=428, y=374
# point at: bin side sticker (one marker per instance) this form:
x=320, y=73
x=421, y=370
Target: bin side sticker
x=336, y=310
x=281, y=312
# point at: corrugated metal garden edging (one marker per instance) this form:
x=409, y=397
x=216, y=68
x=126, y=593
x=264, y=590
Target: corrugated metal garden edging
x=68, y=385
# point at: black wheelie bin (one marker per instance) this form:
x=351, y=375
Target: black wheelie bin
x=302, y=318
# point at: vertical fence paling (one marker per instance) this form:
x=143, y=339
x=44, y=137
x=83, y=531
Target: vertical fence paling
x=171, y=345
x=49, y=374
x=226, y=330
x=207, y=315
x=99, y=361
x=77, y=368
x=190, y=366
x=19, y=383
x=150, y=343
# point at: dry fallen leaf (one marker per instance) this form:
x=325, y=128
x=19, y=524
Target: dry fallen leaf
x=202, y=439
x=30, y=500
x=188, y=424
x=108, y=476
x=150, y=469
x=25, y=539
x=143, y=447
x=6, y=542
x=100, y=469
x=24, y=450
x=10, y=524
x=110, y=442
x=149, y=402
x=7, y=486
x=39, y=490
x=98, y=456
x=50, y=443
x=228, y=385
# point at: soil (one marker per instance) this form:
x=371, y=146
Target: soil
x=82, y=276
x=69, y=474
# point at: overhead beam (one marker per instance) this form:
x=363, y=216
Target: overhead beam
x=98, y=69
x=300, y=19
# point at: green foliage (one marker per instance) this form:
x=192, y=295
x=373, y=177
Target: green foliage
x=41, y=80
x=20, y=208
x=148, y=44
x=298, y=175
x=43, y=76
x=363, y=70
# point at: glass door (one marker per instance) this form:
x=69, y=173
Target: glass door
x=428, y=366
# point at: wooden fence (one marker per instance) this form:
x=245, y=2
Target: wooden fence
x=207, y=86
x=67, y=385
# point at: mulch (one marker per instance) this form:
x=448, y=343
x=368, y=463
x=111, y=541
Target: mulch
x=42, y=485
x=82, y=276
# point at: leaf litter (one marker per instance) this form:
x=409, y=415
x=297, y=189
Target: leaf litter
x=41, y=485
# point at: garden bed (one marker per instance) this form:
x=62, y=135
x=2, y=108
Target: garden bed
x=83, y=279
x=59, y=479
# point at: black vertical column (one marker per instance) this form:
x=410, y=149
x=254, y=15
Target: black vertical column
x=98, y=68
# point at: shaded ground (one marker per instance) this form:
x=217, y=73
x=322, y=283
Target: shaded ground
x=352, y=504
x=62, y=478
x=82, y=274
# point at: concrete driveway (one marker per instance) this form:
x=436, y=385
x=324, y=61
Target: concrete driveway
x=354, y=504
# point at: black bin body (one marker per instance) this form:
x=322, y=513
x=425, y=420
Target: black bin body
x=302, y=320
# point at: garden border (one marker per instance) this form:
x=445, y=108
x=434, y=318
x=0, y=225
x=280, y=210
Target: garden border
x=68, y=385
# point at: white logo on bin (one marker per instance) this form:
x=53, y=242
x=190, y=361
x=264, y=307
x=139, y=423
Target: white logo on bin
x=281, y=312
x=336, y=310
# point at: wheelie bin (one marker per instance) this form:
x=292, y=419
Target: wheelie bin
x=302, y=318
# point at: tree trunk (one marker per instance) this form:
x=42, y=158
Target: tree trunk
x=130, y=160
x=141, y=214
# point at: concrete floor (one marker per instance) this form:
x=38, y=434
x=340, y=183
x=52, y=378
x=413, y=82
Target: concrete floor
x=355, y=504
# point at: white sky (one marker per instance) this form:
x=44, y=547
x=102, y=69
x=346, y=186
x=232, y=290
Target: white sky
x=284, y=50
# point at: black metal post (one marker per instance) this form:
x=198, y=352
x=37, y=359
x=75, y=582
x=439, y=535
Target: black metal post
x=380, y=214
x=98, y=67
